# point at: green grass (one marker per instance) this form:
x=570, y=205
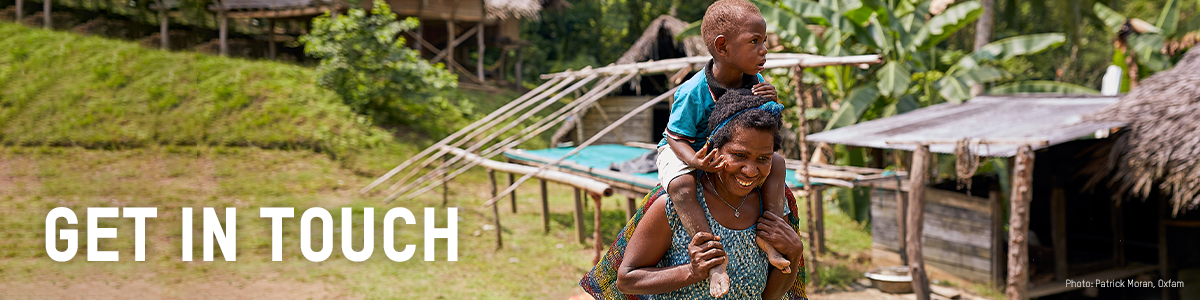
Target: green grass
x=41, y=178
x=62, y=89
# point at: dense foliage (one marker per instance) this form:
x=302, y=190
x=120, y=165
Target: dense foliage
x=364, y=60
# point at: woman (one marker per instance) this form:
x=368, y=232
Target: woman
x=662, y=261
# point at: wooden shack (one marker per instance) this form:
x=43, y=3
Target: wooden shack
x=1049, y=222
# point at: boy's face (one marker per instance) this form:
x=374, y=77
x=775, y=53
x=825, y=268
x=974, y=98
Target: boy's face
x=746, y=49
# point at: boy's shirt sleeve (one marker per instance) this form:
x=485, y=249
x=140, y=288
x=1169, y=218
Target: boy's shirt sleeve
x=684, y=120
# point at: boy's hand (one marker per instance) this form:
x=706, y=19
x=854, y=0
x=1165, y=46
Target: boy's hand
x=766, y=90
x=708, y=161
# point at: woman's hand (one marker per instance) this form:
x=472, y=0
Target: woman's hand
x=706, y=252
x=780, y=235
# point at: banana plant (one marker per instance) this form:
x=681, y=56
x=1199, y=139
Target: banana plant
x=1144, y=39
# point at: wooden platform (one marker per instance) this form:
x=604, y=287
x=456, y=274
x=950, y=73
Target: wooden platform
x=1111, y=274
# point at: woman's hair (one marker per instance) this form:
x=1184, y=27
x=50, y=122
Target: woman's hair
x=739, y=100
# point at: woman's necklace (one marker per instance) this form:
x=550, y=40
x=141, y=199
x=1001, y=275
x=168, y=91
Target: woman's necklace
x=736, y=210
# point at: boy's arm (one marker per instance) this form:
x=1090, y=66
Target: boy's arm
x=704, y=160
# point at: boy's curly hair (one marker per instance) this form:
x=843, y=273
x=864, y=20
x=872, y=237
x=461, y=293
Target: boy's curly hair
x=724, y=17
x=737, y=100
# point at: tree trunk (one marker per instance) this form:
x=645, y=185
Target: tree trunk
x=983, y=33
x=20, y=9
x=223, y=35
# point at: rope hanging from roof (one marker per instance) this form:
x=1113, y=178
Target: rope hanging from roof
x=966, y=161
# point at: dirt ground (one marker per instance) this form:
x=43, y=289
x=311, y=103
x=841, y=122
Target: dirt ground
x=141, y=289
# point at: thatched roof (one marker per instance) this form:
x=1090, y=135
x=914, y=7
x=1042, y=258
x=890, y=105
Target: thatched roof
x=1160, y=148
x=514, y=9
x=662, y=30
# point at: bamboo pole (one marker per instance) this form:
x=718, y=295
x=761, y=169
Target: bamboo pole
x=806, y=176
x=588, y=184
x=593, y=139
x=556, y=117
x=916, y=221
x=1018, y=224
x=774, y=60
x=819, y=220
x=496, y=210
x=397, y=189
x=508, y=143
x=461, y=132
x=901, y=223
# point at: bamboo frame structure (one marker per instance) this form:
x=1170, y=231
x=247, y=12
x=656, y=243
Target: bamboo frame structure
x=590, y=185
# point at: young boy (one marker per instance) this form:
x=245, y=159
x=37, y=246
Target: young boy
x=734, y=32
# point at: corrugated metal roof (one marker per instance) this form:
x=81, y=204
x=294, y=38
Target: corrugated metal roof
x=1054, y=118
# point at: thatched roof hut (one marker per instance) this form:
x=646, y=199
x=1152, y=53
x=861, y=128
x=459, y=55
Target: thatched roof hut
x=658, y=41
x=1159, y=148
x=513, y=9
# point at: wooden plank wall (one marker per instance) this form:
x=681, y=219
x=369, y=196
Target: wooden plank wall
x=958, y=231
x=636, y=129
x=463, y=10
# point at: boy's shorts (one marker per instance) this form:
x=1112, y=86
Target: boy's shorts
x=670, y=166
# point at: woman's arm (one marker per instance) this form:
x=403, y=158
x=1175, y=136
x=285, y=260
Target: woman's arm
x=780, y=235
x=638, y=275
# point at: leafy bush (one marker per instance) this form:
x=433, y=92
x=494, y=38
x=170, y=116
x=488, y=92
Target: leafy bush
x=364, y=60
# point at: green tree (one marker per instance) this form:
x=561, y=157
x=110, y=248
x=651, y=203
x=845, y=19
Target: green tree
x=364, y=60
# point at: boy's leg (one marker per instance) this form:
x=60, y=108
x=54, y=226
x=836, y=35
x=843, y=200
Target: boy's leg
x=774, y=190
x=680, y=183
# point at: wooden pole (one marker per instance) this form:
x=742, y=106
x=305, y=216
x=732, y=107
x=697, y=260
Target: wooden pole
x=46, y=15
x=901, y=211
x=997, y=251
x=482, y=49
x=819, y=219
x=164, y=39
x=579, y=232
x=445, y=188
x=1018, y=224
x=450, y=32
x=496, y=210
x=630, y=207
x=1058, y=229
x=545, y=207
x=513, y=194
x=223, y=34
x=596, y=240
x=798, y=84
x=271, y=38
x=518, y=68
x=916, y=221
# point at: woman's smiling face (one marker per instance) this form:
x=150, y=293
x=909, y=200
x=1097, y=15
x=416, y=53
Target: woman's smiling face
x=748, y=157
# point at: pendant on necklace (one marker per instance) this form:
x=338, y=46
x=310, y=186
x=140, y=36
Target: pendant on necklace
x=737, y=214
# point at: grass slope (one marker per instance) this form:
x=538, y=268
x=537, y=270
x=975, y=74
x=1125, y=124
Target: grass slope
x=62, y=89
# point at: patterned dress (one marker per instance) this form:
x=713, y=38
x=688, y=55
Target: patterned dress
x=747, y=266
